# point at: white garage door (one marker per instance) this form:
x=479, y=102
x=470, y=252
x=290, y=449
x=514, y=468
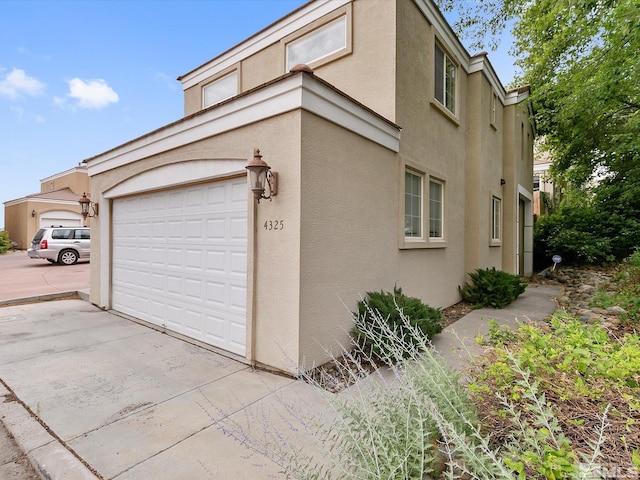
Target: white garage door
x=180, y=261
x=60, y=218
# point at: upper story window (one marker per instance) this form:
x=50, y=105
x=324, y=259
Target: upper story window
x=221, y=89
x=318, y=44
x=445, y=79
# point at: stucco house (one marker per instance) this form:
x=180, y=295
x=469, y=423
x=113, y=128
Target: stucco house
x=400, y=160
x=55, y=204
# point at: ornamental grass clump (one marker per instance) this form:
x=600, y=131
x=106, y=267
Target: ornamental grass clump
x=398, y=313
x=492, y=288
x=410, y=421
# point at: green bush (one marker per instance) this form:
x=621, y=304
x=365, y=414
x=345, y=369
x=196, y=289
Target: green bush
x=492, y=288
x=392, y=307
x=5, y=244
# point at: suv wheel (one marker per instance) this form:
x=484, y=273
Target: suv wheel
x=67, y=257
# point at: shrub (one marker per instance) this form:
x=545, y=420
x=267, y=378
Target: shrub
x=392, y=307
x=492, y=288
x=4, y=242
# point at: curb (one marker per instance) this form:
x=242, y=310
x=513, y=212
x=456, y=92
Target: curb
x=49, y=457
x=42, y=298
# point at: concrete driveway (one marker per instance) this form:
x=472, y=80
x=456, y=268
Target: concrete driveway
x=123, y=401
x=22, y=277
x=134, y=403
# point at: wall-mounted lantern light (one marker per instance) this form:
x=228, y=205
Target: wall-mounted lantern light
x=33, y=214
x=89, y=208
x=260, y=175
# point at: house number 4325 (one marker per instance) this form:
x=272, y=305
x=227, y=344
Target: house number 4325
x=274, y=225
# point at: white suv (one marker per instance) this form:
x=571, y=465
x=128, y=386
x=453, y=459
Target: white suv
x=64, y=245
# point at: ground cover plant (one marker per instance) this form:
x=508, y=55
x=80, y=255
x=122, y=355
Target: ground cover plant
x=587, y=400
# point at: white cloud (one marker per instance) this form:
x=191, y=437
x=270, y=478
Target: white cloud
x=91, y=94
x=17, y=83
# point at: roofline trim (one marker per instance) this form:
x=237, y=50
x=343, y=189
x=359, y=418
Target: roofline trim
x=291, y=92
x=272, y=34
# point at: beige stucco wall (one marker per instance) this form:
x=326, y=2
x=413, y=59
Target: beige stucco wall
x=518, y=169
x=433, y=142
x=340, y=197
x=359, y=73
x=20, y=225
x=349, y=223
x=77, y=181
x=484, y=171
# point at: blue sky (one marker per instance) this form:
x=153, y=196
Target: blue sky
x=78, y=77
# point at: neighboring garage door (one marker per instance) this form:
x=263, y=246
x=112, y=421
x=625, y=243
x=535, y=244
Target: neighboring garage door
x=180, y=260
x=60, y=218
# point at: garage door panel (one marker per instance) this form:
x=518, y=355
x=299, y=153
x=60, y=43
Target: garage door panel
x=238, y=228
x=238, y=263
x=238, y=298
x=180, y=260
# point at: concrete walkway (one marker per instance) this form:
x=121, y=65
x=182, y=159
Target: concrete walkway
x=90, y=394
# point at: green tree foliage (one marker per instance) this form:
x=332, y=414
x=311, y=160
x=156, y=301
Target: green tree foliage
x=581, y=59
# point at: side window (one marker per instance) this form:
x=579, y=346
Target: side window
x=62, y=234
x=219, y=90
x=445, y=79
x=81, y=234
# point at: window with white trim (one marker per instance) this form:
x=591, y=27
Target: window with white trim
x=496, y=218
x=318, y=44
x=413, y=182
x=436, y=209
x=221, y=89
x=445, y=79
x=494, y=107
